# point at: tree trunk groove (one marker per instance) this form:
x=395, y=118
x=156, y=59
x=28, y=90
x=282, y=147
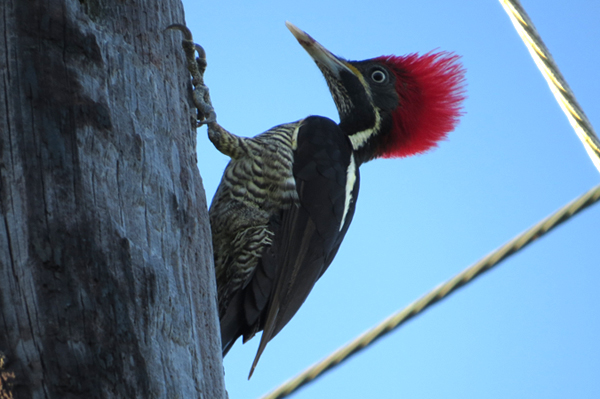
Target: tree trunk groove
x=106, y=281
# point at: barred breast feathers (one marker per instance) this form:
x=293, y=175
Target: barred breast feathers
x=257, y=183
x=263, y=176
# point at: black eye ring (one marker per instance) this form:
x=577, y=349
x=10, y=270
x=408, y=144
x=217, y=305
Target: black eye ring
x=378, y=76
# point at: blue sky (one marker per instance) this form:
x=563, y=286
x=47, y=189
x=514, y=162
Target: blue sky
x=528, y=329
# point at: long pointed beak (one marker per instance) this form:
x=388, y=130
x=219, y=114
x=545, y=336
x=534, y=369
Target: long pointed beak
x=324, y=58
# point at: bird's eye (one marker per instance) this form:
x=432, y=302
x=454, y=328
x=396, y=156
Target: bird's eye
x=378, y=76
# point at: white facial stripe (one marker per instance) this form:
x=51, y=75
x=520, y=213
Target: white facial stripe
x=359, y=139
x=350, y=181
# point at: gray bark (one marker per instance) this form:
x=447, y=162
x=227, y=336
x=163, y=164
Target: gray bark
x=106, y=281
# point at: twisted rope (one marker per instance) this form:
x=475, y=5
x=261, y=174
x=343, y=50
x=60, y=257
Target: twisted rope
x=436, y=294
x=584, y=130
x=559, y=87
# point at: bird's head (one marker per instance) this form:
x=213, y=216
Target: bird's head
x=391, y=106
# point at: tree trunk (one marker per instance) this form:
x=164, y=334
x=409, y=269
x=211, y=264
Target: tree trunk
x=106, y=281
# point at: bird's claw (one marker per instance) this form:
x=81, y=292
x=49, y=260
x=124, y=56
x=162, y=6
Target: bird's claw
x=211, y=118
x=197, y=65
x=187, y=34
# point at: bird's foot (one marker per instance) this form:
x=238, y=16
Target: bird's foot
x=197, y=65
x=226, y=142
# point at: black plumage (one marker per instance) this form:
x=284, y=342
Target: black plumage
x=305, y=236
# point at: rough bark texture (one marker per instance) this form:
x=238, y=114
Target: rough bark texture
x=106, y=281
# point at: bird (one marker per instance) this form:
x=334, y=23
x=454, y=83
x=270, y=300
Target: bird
x=288, y=195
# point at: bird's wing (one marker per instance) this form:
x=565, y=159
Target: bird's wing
x=307, y=236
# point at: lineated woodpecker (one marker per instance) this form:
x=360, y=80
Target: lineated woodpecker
x=288, y=195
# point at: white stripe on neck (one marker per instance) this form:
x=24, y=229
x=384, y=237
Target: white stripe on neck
x=359, y=139
x=350, y=182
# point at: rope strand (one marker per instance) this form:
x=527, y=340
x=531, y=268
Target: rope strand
x=558, y=85
x=437, y=294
